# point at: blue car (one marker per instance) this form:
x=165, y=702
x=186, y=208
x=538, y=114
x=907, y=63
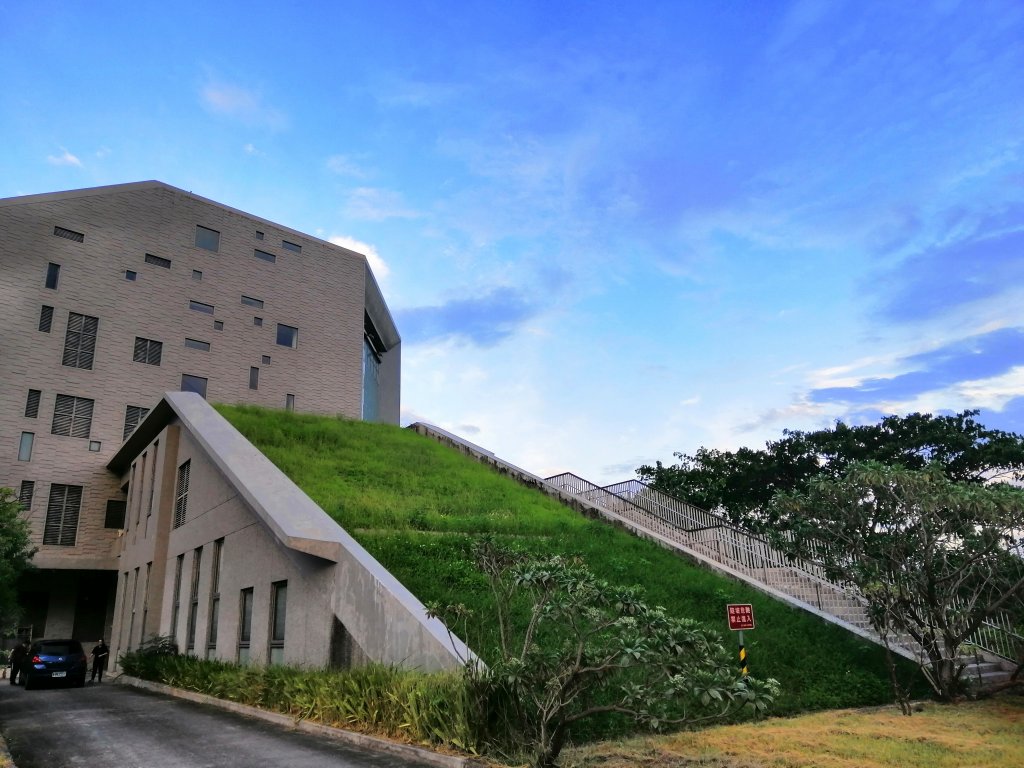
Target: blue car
x=55, y=661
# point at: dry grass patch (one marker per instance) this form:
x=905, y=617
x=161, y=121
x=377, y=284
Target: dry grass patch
x=987, y=734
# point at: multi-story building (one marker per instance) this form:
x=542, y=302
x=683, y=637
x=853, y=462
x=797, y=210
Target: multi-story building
x=115, y=295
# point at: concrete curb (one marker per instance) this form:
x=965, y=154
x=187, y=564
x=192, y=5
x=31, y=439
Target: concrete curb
x=374, y=743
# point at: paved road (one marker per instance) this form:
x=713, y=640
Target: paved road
x=113, y=726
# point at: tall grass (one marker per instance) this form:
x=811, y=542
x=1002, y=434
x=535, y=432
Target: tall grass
x=417, y=506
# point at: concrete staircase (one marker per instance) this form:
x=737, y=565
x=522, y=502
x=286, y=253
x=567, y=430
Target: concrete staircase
x=712, y=540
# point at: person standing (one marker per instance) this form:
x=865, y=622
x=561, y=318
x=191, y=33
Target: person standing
x=99, y=660
x=17, y=661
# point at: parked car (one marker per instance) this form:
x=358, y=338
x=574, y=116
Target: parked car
x=55, y=661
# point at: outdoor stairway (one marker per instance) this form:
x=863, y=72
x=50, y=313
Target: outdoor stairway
x=711, y=539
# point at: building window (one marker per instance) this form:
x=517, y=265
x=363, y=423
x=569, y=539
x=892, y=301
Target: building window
x=61, y=527
x=130, y=275
x=289, y=402
x=133, y=416
x=211, y=625
x=193, y=599
x=259, y=235
x=197, y=275
x=266, y=359
x=291, y=246
x=72, y=416
x=249, y=301
x=190, y=383
x=199, y=306
x=25, y=494
x=371, y=382
x=117, y=509
x=135, y=596
x=52, y=275
x=203, y=346
x=147, y=351
x=265, y=256
x=258, y=322
x=68, y=234
x=181, y=494
x=32, y=403
x=208, y=239
x=25, y=446
x=278, y=610
x=287, y=336
x=80, y=341
x=95, y=445
x=254, y=378
x=45, y=318
x=158, y=261
x=244, y=625
x=176, y=601
x=218, y=325
x=152, y=484
x=145, y=600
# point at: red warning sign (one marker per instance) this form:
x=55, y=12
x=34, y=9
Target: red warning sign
x=741, y=616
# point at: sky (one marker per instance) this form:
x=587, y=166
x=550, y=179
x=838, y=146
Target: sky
x=607, y=231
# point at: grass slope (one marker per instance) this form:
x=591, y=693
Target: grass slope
x=417, y=506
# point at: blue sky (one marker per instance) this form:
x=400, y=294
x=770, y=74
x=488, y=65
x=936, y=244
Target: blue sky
x=607, y=231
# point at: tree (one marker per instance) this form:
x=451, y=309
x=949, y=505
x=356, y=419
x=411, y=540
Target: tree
x=934, y=558
x=743, y=482
x=589, y=648
x=15, y=553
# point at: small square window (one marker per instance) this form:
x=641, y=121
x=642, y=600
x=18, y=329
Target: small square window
x=95, y=445
x=218, y=325
x=257, y=321
x=129, y=274
x=208, y=239
x=190, y=383
x=197, y=275
x=254, y=378
x=259, y=235
x=266, y=359
x=287, y=336
x=52, y=275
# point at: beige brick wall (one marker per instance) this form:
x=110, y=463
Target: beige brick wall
x=320, y=291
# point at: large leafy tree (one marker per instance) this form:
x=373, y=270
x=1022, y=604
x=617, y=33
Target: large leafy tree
x=15, y=553
x=743, y=482
x=934, y=558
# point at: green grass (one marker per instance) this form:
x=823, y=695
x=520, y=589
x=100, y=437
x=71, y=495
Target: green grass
x=417, y=506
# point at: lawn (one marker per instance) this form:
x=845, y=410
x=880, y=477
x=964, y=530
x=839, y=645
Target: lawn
x=417, y=506
x=984, y=734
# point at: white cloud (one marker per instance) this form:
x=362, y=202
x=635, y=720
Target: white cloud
x=380, y=267
x=64, y=158
x=241, y=104
x=102, y=152
x=375, y=204
x=250, y=149
x=345, y=166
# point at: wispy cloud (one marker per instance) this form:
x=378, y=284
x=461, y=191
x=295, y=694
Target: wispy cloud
x=250, y=149
x=380, y=267
x=64, y=158
x=241, y=104
x=343, y=165
x=376, y=204
x=484, y=321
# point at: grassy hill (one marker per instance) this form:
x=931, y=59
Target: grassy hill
x=417, y=506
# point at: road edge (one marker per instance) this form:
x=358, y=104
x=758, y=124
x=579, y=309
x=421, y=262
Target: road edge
x=351, y=737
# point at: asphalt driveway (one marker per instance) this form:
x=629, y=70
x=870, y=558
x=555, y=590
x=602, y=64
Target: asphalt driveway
x=113, y=726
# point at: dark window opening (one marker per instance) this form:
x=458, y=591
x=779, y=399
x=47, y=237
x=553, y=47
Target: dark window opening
x=61, y=528
x=208, y=239
x=291, y=246
x=32, y=403
x=25, y=494
x=199, y=306
x=68, y=234
x=133, y=416
x=265, y=256
x=72, y=416
x=251, y=302
x=190, y=383
x=148, y=351
x=203, y=346
x=80, y=341
x=287, y=336
x=181, y=494
x=45, y=318
x=158, y=261
x=116, y=512
x=52, y=275
x=254, y=378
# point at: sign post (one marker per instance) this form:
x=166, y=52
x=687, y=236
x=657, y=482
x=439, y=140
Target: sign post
x=741, y=617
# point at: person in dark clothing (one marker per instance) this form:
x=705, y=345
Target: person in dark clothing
x=17, y=660
x=99, y=660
